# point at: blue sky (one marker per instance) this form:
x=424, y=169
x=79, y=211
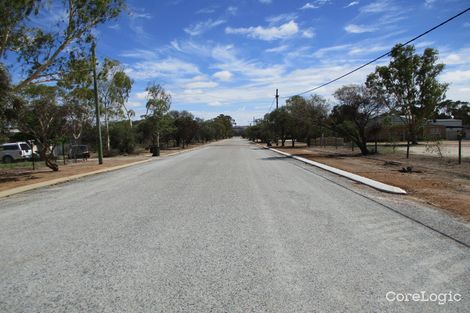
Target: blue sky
x=229, y=56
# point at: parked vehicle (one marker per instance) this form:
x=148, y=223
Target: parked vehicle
x=14, y=151
x=79, y=152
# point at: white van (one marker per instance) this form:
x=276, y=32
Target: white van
x=14, y=151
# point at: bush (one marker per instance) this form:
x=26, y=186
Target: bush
x=122, y=137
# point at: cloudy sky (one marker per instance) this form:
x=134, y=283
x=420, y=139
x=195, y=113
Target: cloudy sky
x=229, y=56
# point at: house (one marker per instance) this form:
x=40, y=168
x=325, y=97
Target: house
x=394, y=128
x=452, y=127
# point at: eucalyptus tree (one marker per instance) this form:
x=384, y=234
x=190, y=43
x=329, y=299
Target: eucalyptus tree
x=76, y=92
x=44, y=119
x=43, y=51
x=308, y=116
x=8, y=101
x=358, y=106
x=409, y=86
x=158, y=104
x=114, y=88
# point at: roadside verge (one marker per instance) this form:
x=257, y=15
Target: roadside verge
x=357, y=178
x=16, y=190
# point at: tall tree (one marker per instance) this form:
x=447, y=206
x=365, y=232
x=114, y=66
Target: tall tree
x=281, y=122
x=42, y=53
x=186, y=127
x=409, y=86
x=8, y=101
x=42, y=118
x=114, y=88
x=352, y=117
x=75, y=90
x=158, y=103
x=308, y=116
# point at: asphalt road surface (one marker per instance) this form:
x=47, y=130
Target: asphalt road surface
x=226, y=228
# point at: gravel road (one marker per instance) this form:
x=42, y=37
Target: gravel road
x=226, y=228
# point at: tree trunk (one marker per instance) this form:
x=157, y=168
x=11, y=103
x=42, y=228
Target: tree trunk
x=363, y=147
x=108, y=140
x=48, y=158
x=293, y=143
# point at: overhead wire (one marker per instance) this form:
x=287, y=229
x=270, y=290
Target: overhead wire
x=381, y=56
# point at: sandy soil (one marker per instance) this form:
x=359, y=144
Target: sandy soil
x=21, y=176
x=439, y=182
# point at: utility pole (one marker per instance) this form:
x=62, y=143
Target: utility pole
x=97, y=105
x=277, y=99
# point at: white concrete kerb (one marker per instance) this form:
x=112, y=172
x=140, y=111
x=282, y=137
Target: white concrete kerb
x=357, y=178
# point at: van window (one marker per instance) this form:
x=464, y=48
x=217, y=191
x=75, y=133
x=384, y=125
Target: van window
x=24, y=146
x=10, y=147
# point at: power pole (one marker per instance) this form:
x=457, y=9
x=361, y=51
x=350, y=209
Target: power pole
x=277, y=99
x=97, y=105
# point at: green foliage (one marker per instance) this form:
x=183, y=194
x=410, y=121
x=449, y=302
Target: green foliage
x=308, y=116
x=6, y=107
x=409, y=85
x=122, y=137
x=454, y=109
x=358, y=105
x=43, y=119
x=42, y=53
x=300, y=119
x=11, y=27
x=158, y=103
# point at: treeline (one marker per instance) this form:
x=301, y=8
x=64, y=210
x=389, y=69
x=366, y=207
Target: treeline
x=179, y=129
x=54, y=100
x=408, y=88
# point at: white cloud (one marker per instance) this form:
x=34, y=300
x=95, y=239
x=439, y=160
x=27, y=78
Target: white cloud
x=139, y=54
x=353, y=3
x=202, y=27
x=308, y=33
x=377, y=7
x=455, y=57
x=456, y=76
x=278, y=49
x=232, y=10
x=320, y=53
x=223, y=75
x=361, y=50
x=314, y=5
x=201, y=85
x=208, y=10
x=115, y=27
x=358, y=29
x=169, y=67
x=267, y=33
x=281, y=18
x=309, y=5
x=429, y=3
x=265, y=1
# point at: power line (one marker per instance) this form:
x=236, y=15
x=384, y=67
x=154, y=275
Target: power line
x=381, y=56
x=270, y=107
